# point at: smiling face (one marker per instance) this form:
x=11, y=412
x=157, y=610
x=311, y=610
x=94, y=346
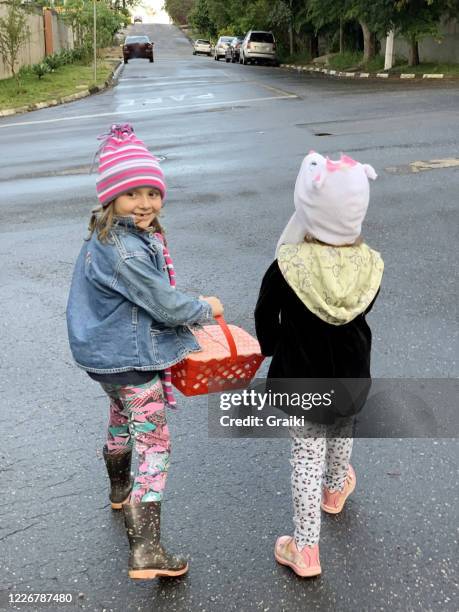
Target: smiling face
x=143, y=203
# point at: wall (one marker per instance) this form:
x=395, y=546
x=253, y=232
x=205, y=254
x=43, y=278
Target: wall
x=445, y=50
x=59, y=38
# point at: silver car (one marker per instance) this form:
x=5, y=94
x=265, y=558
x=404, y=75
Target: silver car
x=202, y=46
x=221, y=46
x=258, y=46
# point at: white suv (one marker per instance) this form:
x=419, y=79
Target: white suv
x=258, y=46
x=220, y=48
x=202, y=46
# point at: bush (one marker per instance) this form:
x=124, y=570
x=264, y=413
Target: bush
x=25, y=70
x=66, y=56
x=53, y=61
x=41, y=69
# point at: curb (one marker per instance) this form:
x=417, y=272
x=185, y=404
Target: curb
x=364, y=75
x=111, y=80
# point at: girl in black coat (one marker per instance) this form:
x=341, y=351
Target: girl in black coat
x=310, y=317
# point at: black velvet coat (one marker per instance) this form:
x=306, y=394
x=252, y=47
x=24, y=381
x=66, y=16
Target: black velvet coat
x=304, y=346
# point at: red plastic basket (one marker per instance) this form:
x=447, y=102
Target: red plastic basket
x=229, y=359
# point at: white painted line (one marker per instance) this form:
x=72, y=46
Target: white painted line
x=150, y=79
x=364, y=75
x=141, y=85
x=349, y=74
x=407, y=75
x=432, y=76
x=382, y=75
x=146, y=110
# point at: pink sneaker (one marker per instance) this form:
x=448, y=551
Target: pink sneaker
x=333, y=502
x=304, y=562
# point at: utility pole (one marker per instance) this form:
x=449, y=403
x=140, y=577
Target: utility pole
x=95, y=39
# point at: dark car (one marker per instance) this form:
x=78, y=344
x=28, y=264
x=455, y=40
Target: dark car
x=137, y=46
x=233, y=50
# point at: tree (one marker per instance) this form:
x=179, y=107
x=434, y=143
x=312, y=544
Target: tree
x=201, y=20
x=79, y=15
x=179, y=10
x=373, y=17
x=14, y=32
x=416, y=19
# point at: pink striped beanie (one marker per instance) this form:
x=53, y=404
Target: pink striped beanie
x=125, y=163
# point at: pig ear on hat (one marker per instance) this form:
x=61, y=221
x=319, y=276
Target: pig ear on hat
x=370, y=171
x=314, y=170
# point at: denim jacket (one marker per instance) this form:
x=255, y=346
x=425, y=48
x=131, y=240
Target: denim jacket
x=122, y=313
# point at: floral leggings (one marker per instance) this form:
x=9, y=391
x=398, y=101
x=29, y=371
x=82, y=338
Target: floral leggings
x=138, y=416
x=320, y=456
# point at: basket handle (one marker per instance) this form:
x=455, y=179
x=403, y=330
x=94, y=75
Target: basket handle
x=229, y=337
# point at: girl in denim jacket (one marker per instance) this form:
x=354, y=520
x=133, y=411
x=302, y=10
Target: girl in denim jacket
x=127, y=325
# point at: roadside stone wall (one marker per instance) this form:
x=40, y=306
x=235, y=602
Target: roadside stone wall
x=445, y=49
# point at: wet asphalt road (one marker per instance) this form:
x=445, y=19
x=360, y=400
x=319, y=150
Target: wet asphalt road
x=233, y=138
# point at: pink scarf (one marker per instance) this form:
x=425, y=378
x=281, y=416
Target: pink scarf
x=166, y=374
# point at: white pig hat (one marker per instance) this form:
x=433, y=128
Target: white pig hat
x=331, y=200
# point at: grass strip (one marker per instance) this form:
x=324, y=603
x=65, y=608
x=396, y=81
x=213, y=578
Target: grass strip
x=65, y=80
x=352, y=62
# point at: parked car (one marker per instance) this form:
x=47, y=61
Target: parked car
x=220, y=48
x=138, y=19
x=137, y=46
x=258, y=46
x=202, y=46
x=232, y=51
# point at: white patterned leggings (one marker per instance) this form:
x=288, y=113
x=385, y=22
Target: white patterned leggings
x=320, y=457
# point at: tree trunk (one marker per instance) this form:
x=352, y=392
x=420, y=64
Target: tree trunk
x=368, y=43
x=314, y=46
x=341, y=36
x=413, y=57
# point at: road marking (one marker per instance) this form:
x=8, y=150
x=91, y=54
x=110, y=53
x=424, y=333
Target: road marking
x=180, y=98
x=155, y=78
x=149, y=110
x=141, y=85
x=151, y=101
x=421, y=166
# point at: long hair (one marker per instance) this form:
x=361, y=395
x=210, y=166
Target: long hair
x=103, y=219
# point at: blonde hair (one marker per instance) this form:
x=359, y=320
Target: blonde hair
x=103, y=219
x=357, y=242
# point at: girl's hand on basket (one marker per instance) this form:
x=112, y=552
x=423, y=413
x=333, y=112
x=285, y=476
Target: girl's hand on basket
x=215, y=304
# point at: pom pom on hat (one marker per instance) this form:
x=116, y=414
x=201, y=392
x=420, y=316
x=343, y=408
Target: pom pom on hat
x=124, y=164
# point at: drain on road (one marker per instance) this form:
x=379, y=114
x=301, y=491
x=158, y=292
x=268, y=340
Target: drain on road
x=308, y=127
